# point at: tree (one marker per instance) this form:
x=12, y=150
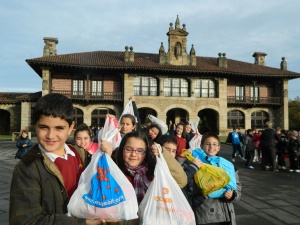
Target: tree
x=294, y=114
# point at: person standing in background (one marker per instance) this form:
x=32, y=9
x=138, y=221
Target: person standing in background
x=268, y=145
x=23, y=143
x=236, y=144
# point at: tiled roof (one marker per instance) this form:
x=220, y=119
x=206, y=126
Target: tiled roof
x=15, y=97
x=149, y=62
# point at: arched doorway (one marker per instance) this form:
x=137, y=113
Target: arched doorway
x=4, y=122
x=209, y=121
x=144, y=112
x=177, y=115
x=99, y=115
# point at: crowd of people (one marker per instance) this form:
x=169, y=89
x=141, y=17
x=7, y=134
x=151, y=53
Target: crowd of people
x=48, y=174
x=275, y=149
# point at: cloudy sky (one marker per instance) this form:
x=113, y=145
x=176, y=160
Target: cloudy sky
x=237, y=27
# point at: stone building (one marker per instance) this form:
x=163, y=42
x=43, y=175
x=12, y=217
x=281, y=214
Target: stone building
x=172, y=85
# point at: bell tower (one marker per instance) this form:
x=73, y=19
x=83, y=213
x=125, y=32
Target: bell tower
x=177, y=54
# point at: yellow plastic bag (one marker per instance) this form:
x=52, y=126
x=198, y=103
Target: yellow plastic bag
x=209, y=178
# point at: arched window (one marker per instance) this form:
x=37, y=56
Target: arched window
x=235, y=118
x=146, y=86
x=205, y=88
x=99, y=116
x=258, y=119
x=177, y=49
x=176, y=87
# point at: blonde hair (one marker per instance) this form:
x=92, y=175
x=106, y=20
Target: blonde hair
x=23, y=131
x=269, y=124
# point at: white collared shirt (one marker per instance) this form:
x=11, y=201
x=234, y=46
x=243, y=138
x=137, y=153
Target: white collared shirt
x=53, y=156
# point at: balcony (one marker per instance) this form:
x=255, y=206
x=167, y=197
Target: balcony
x=91, y=96
x=257, y=101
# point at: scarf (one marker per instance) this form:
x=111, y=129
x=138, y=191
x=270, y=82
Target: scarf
x=140, y=181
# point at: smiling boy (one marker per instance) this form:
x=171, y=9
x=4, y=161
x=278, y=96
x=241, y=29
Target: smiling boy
x=46, y=177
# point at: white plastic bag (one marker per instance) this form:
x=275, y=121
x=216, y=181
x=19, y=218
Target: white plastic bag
x=195, y=142
x=194, y=126
x=110, y=132
x=164, y=203
x=103, y=190
x=128, y=110
x=161, y=124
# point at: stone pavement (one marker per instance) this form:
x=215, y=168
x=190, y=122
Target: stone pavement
x=267, y=198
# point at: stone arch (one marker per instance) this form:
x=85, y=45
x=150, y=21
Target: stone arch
x=151, y=106
x=177, y=114
x=5, y=116
x=209, y=120
x=144, y=112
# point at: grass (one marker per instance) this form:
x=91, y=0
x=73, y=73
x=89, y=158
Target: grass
x=5, y=136
x=222, y=138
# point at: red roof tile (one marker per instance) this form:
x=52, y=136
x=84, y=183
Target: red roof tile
x=149, y=62
x=15, y=97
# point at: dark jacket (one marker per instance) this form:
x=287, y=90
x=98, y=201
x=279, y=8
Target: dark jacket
x=190, y=170
x=248, y=143
x=214, y=210
x=23, y=150
x=268, y=138
x=37, y=194
x=294, y=147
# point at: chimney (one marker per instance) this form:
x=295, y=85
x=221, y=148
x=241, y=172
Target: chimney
x=126, y=56
x=222, y=60
x=162, y=54
x=259, y=58
x=50, y=46
x=283, y=64
x=193, y=60
x=131, y=54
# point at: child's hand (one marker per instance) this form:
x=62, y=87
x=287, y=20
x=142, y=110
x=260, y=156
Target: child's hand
x=228, y=194
x=155, y=150
x=197, y=162
x=111, y=116
x=106, y=146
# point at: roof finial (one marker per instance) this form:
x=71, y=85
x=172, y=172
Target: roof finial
x=177, y=23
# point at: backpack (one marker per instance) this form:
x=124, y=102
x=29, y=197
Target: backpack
x=229, y=138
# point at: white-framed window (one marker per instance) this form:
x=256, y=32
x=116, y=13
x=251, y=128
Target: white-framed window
x=146, y=86
x=254, y=93
x=205, y=88
x=77, y=87
x=96, y=88
x=176, y=87
x=239, y=93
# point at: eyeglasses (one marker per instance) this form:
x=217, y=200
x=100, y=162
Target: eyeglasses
x=139, y=151
x=211, y=144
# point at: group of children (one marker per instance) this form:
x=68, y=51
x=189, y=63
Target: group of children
x=271, y=146
x=46, y=177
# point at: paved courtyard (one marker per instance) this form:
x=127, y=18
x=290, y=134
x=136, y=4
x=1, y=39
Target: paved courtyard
x=267, y=198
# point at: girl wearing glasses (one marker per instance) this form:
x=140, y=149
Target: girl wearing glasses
x=134, y=157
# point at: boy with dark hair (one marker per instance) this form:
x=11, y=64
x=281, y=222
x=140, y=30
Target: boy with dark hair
x=46, y=177
x=217, y=207
x=169, y=143
x=236, y=143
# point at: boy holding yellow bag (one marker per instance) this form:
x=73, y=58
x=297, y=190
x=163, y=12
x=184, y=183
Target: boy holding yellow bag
x=211, y=201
